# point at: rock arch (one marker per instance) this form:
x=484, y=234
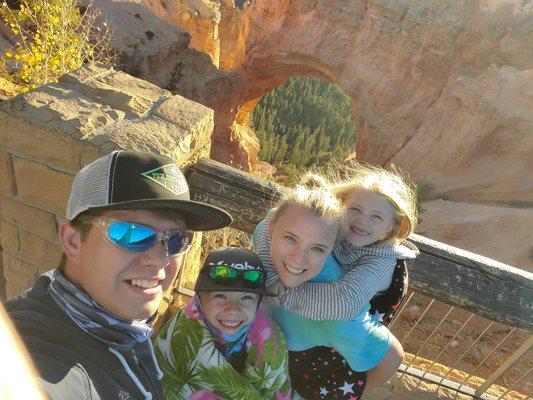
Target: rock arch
x=442, y=88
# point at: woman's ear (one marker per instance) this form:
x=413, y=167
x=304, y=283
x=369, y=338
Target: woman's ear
x=70, y=240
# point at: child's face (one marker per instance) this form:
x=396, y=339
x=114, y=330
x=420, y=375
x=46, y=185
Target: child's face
x=229, y=311
x=300, y=244
x=369, y=216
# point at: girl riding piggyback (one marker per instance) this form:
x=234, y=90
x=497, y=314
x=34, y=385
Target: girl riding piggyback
x=330, y=306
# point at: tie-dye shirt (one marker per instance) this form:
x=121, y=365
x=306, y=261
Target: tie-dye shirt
x=194, y=369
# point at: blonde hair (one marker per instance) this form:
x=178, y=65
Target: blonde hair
x=313, y=193
x=394, y=185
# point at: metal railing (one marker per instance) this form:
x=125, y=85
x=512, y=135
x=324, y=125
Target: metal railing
x=472, y=367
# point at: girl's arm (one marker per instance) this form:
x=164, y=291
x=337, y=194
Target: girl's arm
x=344, y=299
x=341, y=300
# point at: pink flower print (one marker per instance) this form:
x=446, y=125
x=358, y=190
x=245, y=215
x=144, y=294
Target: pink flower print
x=281, y=396
x=190, y=310
x=260, y=332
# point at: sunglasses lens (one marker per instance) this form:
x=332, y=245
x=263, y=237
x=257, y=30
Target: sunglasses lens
x=223, y=274
x=179, y=241
x=131, y=236
x=253, y=278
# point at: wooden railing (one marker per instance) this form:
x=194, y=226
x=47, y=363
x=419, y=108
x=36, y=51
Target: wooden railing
x=486, y=287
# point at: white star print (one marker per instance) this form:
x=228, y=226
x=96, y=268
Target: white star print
x=347, y=388
x=377, y=316
x=323, y=391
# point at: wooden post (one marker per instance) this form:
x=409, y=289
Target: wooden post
x=486, y=287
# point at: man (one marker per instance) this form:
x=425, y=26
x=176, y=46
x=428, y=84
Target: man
x=87, y=324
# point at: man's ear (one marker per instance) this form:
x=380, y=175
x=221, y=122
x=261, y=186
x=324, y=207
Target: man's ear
x=70, y=240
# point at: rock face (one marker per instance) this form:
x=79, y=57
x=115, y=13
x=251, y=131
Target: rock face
x=500, y=233
x=7, y=89
x=443, y=89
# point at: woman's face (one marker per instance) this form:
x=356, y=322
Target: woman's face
x=369, y=216
x=229, y=311
x=300, y=244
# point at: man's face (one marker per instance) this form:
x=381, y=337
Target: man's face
x=129, y=285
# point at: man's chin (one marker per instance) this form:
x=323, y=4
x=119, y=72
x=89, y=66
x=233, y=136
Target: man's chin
x=142, y=313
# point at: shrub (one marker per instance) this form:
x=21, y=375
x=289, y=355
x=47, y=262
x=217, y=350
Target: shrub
x=52, y=37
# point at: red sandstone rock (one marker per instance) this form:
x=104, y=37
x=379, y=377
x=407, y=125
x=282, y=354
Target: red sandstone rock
x=442, y=89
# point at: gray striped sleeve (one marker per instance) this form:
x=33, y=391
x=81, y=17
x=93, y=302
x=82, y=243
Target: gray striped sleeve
x=366, y=275
x=261, y=247
x=342, y=300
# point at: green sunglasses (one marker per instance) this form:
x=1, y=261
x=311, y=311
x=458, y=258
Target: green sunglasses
x=226, y=275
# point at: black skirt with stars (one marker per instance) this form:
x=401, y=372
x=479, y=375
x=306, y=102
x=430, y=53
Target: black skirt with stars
x=322, y=373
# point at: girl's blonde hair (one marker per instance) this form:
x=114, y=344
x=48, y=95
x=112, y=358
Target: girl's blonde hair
x=314, y=194
x=395, y=185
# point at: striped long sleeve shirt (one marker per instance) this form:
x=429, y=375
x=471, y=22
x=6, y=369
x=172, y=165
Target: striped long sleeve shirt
x=368, y=271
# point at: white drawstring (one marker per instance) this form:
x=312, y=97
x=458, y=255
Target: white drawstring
x=157, y=369
x=130, y=373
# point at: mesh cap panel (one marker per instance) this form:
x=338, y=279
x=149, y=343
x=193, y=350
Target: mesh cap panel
x=91, y=187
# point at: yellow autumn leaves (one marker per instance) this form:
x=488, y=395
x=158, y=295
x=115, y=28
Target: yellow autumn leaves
x=52, y=37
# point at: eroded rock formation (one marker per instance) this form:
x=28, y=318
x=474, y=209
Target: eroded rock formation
x=442, y=88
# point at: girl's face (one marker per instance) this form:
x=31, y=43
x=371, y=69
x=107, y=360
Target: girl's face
x=229, y=311
x=300, y=244
x=369, y=217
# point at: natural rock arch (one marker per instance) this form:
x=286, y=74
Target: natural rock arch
x=442, y=88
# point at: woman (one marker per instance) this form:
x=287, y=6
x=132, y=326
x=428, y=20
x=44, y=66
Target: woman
x=294, y=242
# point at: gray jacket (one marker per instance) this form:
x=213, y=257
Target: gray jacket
x=72, y=363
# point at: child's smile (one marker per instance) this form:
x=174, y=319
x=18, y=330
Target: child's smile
x=369, y=216
x=229, y=311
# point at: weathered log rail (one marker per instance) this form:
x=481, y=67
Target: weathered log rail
x=486, y=287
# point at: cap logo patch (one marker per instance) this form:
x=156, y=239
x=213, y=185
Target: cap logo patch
x=168, y=176
x=241, y=266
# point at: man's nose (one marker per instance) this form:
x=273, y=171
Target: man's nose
x=155, y=257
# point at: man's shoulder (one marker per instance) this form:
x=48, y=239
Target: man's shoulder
x=34, y=306
x=62, y=380
x=48, y=333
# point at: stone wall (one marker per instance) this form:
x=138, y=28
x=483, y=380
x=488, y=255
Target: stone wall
x=48, y=134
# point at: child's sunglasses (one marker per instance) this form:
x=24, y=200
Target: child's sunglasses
x=226, y=275
x=139, y=238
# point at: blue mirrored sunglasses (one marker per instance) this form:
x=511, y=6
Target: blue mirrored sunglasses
x=139, y=238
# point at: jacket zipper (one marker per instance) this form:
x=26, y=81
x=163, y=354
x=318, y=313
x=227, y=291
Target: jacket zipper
x=141, y=366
